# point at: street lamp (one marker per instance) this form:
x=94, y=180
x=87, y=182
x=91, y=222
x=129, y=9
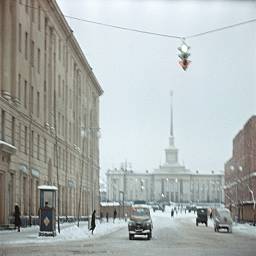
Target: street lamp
x=122, y=193
x=83, y=135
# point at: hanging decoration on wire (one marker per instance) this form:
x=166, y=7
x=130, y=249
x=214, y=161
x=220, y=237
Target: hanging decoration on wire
x=184, y=54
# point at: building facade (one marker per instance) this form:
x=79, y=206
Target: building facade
x=240, y=173
x=170, y=182
x=48, y=95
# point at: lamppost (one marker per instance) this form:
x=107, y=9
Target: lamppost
x=122, y=193
x=83, y=135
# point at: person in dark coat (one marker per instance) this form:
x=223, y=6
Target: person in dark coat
x=101, y=216
x=17, y=220
x=172, y=213
x=107, y=216
x=93, y=224
x=115, y=213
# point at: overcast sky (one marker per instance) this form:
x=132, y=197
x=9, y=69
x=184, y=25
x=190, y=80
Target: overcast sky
x=212, y=100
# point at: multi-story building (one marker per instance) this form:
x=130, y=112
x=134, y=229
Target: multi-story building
x=240, y=173
x=170, y=182
x=48, y=95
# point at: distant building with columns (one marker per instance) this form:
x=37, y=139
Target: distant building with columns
x=169, y=182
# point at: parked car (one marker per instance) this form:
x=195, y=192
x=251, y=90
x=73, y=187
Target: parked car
x=222, y=219
x=157, y=207
x=202, y=216
x=140, y=222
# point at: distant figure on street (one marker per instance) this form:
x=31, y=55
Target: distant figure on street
x=101, y=216
x=211, y=214
x=17, y=220
x=46, y=205
x=107, y=216
x=172, y=213
x=115, y=213
x=93, y=224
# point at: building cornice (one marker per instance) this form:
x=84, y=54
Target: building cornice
x=68, y=31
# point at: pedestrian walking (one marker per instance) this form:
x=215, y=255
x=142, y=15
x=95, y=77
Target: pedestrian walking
x=115, y=213
x=17, y=220
x=93, y=224
x=172, y=213
x=101, y=216
x=107, y=216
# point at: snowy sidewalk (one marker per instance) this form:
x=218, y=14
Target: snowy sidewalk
x=68, y=232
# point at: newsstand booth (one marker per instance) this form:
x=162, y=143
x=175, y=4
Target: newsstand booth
x=47, y=210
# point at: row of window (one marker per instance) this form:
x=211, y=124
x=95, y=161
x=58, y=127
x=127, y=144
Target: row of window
x=38, y=144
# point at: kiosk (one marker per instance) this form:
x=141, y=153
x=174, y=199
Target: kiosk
x=47, y=210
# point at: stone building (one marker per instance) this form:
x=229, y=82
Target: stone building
x=170, y=182
x=48, y=95
x=240, y=173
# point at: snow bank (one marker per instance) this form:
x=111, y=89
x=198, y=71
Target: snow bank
x=69, y=232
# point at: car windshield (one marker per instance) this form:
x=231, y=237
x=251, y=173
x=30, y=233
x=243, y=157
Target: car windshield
x=140, y=212
x=201, y=211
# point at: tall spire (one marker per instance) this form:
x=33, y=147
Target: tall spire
x=171, y=139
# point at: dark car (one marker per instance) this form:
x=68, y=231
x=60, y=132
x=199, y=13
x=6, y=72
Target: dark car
x=222, y=219
x=202, y=216
x=140, y=222
x=157, y=207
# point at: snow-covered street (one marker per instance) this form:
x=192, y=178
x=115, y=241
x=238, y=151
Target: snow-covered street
x=171, y=236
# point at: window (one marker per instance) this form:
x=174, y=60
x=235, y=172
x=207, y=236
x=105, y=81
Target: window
x=38, y=104
x=26, y=6
x=63, y=125
x=70, y=131
x=59, y=88
x=59, y=49
x=39, y=17
x=19, y=136
x=25, y=140
x=26, y=45
x=45, y=150
x=13, y=131
x=19, y=84
x=32, y=52
x=25, y=94
x=63, y=90
x=3, y=125
x=31, y=99
x=32, y=143
x=33, y=10
x=38, y=146
x=20, y=31
x=38, y=60
x=58, y=122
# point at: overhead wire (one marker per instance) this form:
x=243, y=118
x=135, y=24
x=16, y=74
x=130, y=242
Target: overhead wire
x=150, y=32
